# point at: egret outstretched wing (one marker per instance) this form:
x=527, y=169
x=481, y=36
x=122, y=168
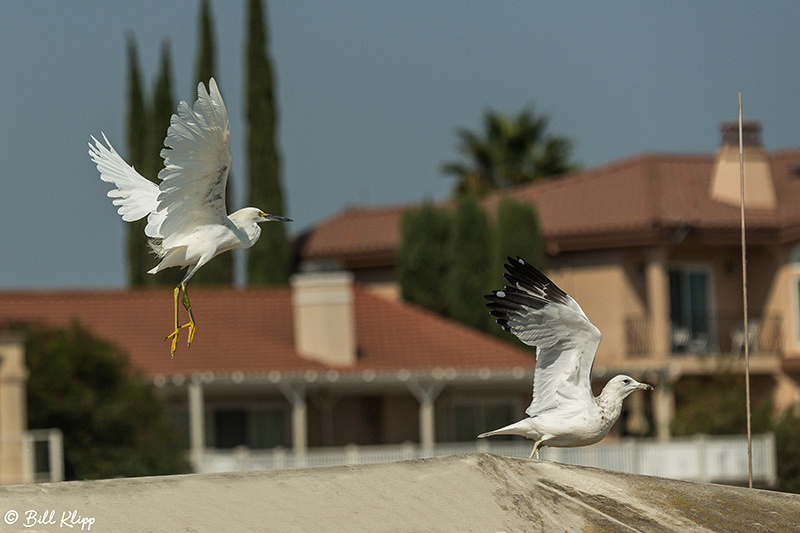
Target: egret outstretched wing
x=186, y=214
x=197, y=160
x=135, y=195
x=540, y=314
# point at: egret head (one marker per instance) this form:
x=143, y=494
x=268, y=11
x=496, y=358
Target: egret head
x=624, y=385
x=249, y=218
x=266, y=217
x=254, y=215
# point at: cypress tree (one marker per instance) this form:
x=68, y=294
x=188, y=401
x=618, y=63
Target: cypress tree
x=220, y=269
x=423, y=261
x=206, y=53
x=136, y=241
x=471, y=265
x=159, y=117
x=268, y=260
x=517, y=234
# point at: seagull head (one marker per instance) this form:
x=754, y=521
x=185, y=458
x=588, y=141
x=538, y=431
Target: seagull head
x=624, y=385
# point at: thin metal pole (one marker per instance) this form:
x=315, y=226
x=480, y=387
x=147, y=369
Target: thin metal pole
x=744, y=305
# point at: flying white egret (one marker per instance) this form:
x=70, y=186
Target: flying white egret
x=564, y=411
x=187, y=221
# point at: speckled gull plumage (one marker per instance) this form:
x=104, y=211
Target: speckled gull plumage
x=563, y=411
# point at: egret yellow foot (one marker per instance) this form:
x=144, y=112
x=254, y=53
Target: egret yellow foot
x=188, y=306
x=174, y=335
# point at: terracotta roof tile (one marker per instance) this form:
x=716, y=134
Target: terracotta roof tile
x=355, y=231
x=625, y=200
x=251, y=331
x=402, y=336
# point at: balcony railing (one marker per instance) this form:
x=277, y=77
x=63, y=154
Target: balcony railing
x=721, y=335
x=720, y=459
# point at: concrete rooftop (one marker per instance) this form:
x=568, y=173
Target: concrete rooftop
x=467, y=493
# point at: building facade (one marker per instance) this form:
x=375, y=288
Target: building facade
x=650, y=246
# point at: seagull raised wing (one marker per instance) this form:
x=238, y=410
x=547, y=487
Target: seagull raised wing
x=540, y=314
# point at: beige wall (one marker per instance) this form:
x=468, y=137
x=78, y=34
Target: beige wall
x=781, y=298
x=13, y=410
x=608, y=287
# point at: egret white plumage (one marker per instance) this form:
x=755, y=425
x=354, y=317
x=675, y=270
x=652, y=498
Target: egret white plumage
x=564, y=411
x=187, y=220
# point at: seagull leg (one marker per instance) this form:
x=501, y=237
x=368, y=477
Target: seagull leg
x=535, y=449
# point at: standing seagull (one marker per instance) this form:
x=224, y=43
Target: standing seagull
x=564, y=412
x=187, y=221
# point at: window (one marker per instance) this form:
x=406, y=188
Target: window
x=253, y=427
x=690, y=309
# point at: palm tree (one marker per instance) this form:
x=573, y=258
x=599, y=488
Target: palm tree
x=509, y=152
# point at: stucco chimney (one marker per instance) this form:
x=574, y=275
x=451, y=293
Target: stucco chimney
x=324, y=319
x=759, y=190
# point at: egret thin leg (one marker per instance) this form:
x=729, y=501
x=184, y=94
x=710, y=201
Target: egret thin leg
x=186, y=213
x=188, y=307
x=174, y=334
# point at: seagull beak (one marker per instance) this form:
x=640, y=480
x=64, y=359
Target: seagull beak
x=645, y=386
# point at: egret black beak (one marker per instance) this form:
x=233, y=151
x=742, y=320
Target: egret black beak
x=275, y=218
x=645, y=386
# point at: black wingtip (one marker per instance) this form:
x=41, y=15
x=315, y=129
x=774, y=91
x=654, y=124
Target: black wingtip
x=523, y=273
x=528, y=287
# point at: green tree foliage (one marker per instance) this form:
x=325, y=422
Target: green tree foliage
x=471, y=264
x=206, y=50
x=447, y=261
x=509, y=152
x=113, y=423
x=517, y=234
x=147, y=128
x=136, y=241
x=721, y=393
x=268, y=260
x=220, y=269
x=423, y=261
x=787, y=444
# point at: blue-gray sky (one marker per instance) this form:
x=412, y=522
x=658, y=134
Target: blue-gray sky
x=370, y=95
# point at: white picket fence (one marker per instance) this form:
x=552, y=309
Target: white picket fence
x=721, y=459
